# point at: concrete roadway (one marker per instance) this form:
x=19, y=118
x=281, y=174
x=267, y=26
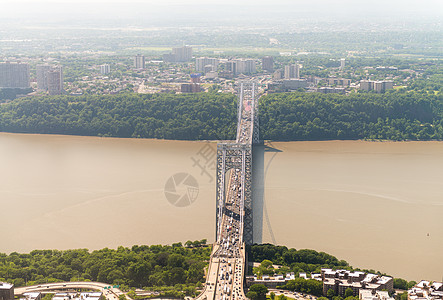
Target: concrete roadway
x=110, y=294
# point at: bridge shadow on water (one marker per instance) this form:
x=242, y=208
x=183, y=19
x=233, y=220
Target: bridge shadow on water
x=259, y=207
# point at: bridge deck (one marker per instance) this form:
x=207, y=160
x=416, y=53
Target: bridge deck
x=234, y=205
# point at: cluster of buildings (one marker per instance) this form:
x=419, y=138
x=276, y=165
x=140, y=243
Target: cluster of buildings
x=341, y=280
x=17, y=75
x=50, y=79
x=425, y=290
x=153, y=76
x=228, y=68
x=369, y=286
x=377, y=86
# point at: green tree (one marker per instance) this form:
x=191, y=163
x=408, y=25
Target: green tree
x=260, y=289
x=122, y=297
x=252, y=295
x=400, y=283
x=330, y=293
x=349, y=292
x=401, y=296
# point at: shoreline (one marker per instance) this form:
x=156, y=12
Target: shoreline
x=207, y=141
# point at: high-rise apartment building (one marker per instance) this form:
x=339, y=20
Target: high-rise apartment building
x=50, y=79
x=105, y=69
x=202, y=62
x=268, y=64
x=139, y=62
x=14, y=75
x=245, y=66
x=365, y=85
x=292, y=71
x=42, y=77
x=342, y=64
x=231, y=66
x=55, y=81
x=182, y=54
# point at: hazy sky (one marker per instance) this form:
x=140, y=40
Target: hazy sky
x=59, y=10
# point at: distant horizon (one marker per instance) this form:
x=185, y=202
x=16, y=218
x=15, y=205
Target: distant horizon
x=175, y=12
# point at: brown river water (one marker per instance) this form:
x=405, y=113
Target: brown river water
x=377, y=205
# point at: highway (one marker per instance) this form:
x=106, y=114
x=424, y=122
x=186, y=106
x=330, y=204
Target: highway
x=226, y=270
x=110, y=294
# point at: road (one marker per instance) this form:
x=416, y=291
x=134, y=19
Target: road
x=224, y=280
x=110, y=294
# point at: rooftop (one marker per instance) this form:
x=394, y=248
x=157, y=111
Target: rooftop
x=5, y=286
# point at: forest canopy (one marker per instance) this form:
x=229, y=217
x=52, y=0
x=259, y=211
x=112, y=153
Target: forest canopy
x=395, y=115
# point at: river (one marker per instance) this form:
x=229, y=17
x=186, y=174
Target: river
x=377, y=205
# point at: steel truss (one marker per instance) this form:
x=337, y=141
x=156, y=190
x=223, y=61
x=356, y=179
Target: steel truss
x=235, y=156
x=239, y=156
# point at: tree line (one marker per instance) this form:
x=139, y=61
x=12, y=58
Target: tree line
x=395, y=115
x=139, y=266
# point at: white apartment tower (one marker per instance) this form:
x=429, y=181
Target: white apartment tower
x=292, y=71
x=139, y=62
x=105, y=69
x=245, y=66
x=55, y=81
x=42, y=77
x=342, y=64
x=202, y=62
x=14, y=75
x=182, y=54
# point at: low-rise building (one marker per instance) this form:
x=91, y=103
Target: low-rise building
x=425, y=290
x=338, y=81
x=32, y=296
x=211, y=75
x=287, y=85
x=374, y=295
x=190, y=88
x=331, y=90
x=6, y=291
x=78, y=296
x=378, y=86
x=270, y=281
